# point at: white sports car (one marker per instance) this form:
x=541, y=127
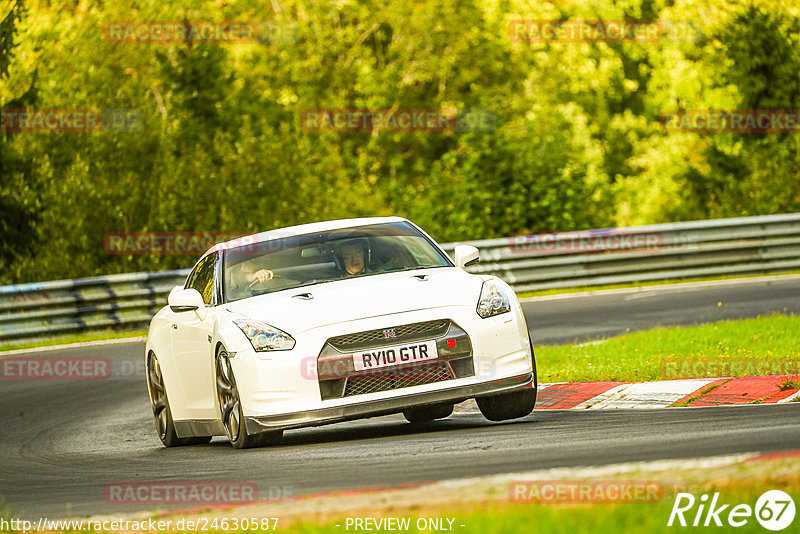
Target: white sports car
x=333, y=321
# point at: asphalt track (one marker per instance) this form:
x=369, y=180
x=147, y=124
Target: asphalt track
x=64, y=441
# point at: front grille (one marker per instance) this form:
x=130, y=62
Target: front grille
x=396, y=379
x=408, y=332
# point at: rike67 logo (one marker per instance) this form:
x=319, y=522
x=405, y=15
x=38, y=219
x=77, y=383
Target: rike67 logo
x=774, y=510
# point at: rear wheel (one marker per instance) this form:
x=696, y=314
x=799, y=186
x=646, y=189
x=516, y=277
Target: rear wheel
x=161, y=412
x=425, y=414
x=511, y=405
x=230, y=408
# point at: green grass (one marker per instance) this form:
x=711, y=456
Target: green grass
x=525, y=519
x=581, y=289
x=78, y=338
x=790, y=383
x=768, y=345
x=630, y=518
x=507, y=518
x=703, y=392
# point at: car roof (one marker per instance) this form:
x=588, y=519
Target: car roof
x=301, y=229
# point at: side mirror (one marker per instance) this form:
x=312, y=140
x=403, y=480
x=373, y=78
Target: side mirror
x=466, y=255
x=181, y=300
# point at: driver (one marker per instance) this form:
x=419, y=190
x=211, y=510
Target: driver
x=262, y=275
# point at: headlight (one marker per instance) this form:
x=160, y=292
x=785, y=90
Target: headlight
x=493, y=300
x=264, y=337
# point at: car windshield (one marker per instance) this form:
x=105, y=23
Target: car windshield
x=308, y=259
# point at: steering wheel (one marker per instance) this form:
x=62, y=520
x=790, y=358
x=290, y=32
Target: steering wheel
x=251, y=286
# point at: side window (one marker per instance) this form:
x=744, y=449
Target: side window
x=202, y=278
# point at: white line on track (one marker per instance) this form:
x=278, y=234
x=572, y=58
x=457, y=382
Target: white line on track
x=664, y=287
x=557, y=473
x=98, y=343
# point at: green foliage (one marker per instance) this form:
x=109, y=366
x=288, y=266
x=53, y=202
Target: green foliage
x=18, y=184
x=8, y=32
x=577, y=141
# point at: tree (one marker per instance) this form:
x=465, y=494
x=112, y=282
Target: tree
x=19, y=207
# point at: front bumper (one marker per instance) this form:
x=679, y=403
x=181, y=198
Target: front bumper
x=288, y=382
x=335, y=414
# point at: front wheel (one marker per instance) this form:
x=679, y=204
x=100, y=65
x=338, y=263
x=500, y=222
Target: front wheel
x=511, y=405
x=230, y=408
x=507, y=405
x=425, y=414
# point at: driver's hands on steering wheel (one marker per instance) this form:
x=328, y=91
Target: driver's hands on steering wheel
x=263, y=275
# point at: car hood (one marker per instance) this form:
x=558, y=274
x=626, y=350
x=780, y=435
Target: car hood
x=369, y=296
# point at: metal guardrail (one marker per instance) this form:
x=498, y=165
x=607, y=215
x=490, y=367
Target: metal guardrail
x=747, y=245
x=696, y=249
x=123, y=302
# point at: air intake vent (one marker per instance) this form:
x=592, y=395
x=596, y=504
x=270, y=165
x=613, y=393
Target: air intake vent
x=396, y=379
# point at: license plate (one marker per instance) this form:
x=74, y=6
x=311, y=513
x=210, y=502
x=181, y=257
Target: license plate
x=395, y=355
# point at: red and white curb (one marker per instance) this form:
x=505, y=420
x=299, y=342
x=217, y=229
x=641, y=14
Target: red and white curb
x=663, y=394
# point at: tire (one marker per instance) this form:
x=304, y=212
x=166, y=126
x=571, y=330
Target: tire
x=162, y=415
x=507, y=405
x=511, y=405
x=426, y=414
x=230, y=408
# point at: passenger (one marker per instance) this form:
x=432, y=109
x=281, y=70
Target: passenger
x=354, y=258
